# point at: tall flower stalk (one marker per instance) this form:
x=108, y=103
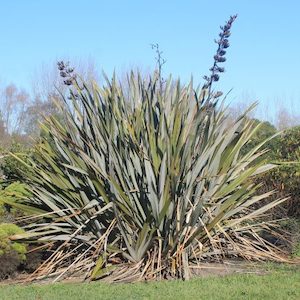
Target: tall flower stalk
x=219, y=57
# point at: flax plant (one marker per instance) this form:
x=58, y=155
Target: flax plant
x=144, y=182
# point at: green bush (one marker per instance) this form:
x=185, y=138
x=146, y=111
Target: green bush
x=11, y=167
x=285, y=149
x=153, y=176
x=6, y=245
x=2, y=211
x=265, y=131
x=12, y=253
x=10, y=197
x=296, y=252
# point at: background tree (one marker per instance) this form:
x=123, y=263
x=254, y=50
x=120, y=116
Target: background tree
x=13, y=105
x=286, y=119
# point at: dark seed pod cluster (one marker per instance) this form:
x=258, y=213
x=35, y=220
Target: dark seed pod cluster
x=219, y=57
x=66, y=73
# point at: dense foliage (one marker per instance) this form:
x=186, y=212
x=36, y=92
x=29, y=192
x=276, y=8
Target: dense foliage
x=10, y=167
x=12, y=253
x=285, y=149
x=6, y=245
x=11, y=197
x=150, y=177
x=266, y=131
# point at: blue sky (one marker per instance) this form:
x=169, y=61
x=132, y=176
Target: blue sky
x=263, y=61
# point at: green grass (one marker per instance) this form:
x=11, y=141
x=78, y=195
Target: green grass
x=282, y=283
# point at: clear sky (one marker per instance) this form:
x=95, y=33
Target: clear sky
x=263, y=62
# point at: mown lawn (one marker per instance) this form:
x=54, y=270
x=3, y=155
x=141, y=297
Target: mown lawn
x=280, y=284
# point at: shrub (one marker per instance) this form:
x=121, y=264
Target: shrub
x=2, y=210
x=6, y=245
x=10, y=197
x=149, y=179
x=296, y=252
x=11, y=167
x=285, y=150
x=292, y=227
x=12, y=253
x=160, y=181
x=264, y=132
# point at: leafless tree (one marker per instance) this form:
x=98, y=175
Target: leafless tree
x=35, y=114
x=286, y=119
x=13, y=105
x=4, y=137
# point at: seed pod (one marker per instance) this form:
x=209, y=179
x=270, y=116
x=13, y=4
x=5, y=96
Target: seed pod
x=63, y=74
x=60, y=65
x=226, y=34
x=222, y=52
x=226, y=27
x=219, y=58
x=225, y=44
x=215, y=77
x=68, y=82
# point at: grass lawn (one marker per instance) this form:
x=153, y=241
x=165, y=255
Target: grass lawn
x=282, y=283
